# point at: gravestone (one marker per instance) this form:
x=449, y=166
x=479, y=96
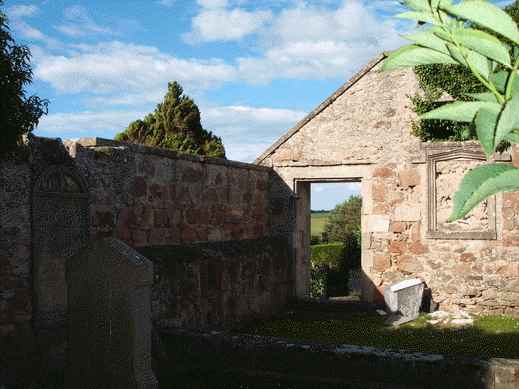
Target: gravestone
x=109, y=291
x=403, y=300
x=60, y=227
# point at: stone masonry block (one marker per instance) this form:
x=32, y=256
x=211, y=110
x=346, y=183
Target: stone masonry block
x=377, y=223
x=407, y=212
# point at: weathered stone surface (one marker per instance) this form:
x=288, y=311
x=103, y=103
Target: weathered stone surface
x=409, y=264
x=409, y=178
x=381, y=262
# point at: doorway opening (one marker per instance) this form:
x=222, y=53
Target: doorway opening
x=335, y=239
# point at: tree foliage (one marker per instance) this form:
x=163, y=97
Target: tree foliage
x=174, y=125
x=456, y=80
x=19, y=114
x=343, y=220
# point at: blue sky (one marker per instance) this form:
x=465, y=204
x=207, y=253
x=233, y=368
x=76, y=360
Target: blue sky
x=254, y=68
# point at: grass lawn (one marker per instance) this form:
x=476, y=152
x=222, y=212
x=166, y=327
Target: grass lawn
x=489, y=336
x=317, y=221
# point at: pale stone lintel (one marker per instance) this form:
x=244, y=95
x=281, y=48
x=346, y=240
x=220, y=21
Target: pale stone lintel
x=377, y=223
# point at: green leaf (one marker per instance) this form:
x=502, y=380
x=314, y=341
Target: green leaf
x=439, y=32
x=480, y=183
x=428, y=40
x=485, y=96
x=512, y=137
x=484, y=44
x=420, y=16
x=486, y=15
x=486, y=122
x=412, y=55
x=417, y=5
x=508, y=120
x=479, y=61
x=460, y=111
x=500, y=79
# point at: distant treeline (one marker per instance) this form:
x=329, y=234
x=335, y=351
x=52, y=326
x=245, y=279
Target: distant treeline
x=321, y=211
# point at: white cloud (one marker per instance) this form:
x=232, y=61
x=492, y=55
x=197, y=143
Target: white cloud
x=219, y=24
x=354, y=186
x=81, y=24
x=209, y=4
x=18, y=11
x=88, y=122
x=113, y=67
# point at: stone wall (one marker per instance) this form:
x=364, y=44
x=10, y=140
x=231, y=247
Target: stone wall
x=215, y=285
x=363, y=133
x=103, y=188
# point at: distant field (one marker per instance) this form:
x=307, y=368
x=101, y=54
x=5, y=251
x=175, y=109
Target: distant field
x=317, y=222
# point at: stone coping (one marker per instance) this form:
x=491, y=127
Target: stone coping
x=198, y=251
x=136, y=148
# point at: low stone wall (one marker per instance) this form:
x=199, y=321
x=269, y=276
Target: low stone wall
x=353, y=366
x=214, y=285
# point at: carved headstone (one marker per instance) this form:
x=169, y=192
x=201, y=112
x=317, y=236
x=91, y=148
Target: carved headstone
x=60, y=227
x=403, y=300
x=109, y=291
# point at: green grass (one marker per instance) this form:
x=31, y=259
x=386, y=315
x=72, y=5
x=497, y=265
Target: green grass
x=489, y=336
x=317, y=221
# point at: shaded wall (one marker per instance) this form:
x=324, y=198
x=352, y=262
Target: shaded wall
x=143, y=196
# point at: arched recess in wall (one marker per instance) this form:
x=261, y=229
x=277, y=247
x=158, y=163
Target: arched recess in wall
x=60, y=227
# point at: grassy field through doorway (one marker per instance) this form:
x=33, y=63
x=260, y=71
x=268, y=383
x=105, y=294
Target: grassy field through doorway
x=317, y=221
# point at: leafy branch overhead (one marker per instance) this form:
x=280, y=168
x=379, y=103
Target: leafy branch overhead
x=174, y=125
x=494, y=62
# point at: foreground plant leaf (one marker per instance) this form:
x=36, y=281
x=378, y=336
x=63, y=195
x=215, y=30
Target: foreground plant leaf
x=480, y=183
x=412, y=55
x=486, y=15
x=461, y=111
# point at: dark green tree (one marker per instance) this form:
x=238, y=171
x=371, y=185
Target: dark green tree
x=19, y=114
x=343, y=220
x=174, y=125
x=458, y=81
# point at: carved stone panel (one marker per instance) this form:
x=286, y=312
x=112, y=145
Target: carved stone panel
x=60, y=228
x=445, y=172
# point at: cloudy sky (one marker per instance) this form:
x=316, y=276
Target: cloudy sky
x=254, y=68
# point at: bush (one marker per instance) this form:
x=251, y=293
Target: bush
x=315, y=240
x=326, y=253
x=317, y=284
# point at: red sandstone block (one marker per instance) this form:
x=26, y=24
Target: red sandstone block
x=139, y=238
x=191, y=175
x=236, y=233
x=467, y=257
x=410, y=179
x=160, y=217
x=460, y=270
x=157, y=235
x=419, y=248
x=381, y=209
x=211, y=195
x=379, y=192
x=218, y=179
x=193, y=216
x=257, y=230
x=397, y=226
x=383, y=172
x=381, y=262
x=155, y=191
x=262, y=185
x=397, y=247
x=188, y=235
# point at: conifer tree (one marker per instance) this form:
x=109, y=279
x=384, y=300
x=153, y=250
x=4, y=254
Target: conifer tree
x=174, y=125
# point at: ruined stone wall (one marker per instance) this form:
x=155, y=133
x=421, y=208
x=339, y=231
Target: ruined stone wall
x=363, y=133
x=140, y=195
